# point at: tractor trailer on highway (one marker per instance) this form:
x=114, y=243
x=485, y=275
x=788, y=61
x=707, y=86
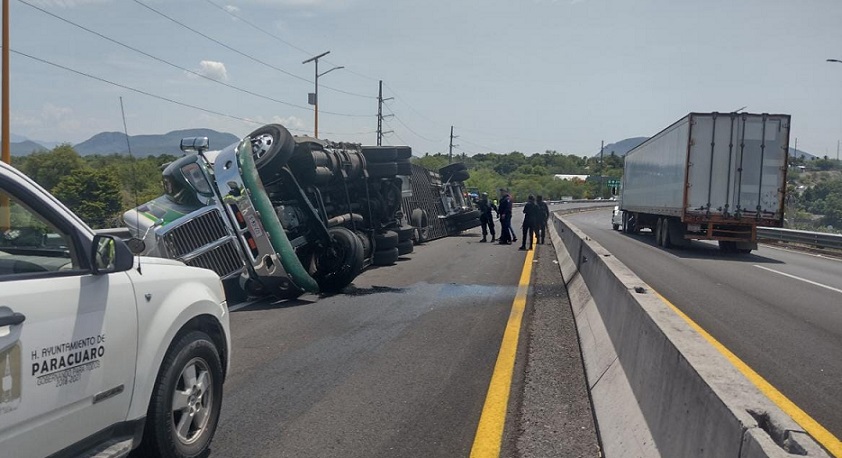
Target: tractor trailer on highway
x=708, y=176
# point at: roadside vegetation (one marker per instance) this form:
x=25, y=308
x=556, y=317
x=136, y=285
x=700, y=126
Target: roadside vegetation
x=100, y=188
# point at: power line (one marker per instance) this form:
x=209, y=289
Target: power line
x=246, y=91
x=410, y=129
x=129, y=88
x=248, y=56
x=260, y=29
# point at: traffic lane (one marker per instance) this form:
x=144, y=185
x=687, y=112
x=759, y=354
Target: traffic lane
x=790, y=334
x=397, y=366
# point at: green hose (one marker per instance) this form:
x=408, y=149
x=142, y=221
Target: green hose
x=278, y=238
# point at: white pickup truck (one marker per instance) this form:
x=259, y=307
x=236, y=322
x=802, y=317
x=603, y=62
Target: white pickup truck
x=101, y=352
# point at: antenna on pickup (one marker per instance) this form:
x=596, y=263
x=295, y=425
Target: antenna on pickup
x=134, y=171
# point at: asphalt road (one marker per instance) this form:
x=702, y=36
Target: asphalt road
x=779, y=311
x=399, y=364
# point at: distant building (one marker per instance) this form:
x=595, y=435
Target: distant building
x=570, y=177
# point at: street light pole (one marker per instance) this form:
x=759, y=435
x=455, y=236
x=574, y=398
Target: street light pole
x=314, y=97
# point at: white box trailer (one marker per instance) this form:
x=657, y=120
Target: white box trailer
x=710, y=176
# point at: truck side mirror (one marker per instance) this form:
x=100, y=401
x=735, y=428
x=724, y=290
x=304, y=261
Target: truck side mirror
x=195, y=144
x=108, y=254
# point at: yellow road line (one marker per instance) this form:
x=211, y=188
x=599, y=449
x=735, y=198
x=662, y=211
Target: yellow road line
x=812, y=427
x=490, y=430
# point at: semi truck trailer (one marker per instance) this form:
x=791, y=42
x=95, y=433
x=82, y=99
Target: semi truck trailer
x=708, y=176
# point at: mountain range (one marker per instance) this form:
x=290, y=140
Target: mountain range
x=105, y=143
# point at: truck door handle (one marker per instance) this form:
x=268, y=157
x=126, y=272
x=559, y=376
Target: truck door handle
x=11, y=320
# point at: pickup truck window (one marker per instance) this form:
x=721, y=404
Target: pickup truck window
x=31, y=244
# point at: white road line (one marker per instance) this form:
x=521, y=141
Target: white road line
x=241, y=305
x=799, y=278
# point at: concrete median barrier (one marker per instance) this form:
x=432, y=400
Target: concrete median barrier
x=658, y=387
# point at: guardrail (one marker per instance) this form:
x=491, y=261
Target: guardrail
x=816, y=239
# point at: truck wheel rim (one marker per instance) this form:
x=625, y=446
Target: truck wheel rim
x=192, y=401
x=261, y=145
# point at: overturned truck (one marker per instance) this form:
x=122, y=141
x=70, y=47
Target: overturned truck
x=281, y=215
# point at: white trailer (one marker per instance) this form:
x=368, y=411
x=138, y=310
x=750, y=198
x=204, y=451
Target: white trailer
x=709, y=176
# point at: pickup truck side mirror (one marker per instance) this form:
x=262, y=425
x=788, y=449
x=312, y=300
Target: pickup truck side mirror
x=109, y=254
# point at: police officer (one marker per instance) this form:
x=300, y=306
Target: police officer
x=531, y=217
x=504, y=212
x=485, y=219
x=545, y=216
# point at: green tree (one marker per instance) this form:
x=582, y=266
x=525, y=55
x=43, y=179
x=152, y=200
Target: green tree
x=94, y=195
x=48, y=167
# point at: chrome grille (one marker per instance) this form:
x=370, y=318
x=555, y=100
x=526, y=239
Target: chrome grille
x=223, y=259
x=195, y=233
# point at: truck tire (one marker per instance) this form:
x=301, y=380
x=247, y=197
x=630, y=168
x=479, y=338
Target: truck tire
x=459, y=175
x=450, y=168
x=615, y=226
x=385, y=241
x=378, y=154
x=418, y=218
x=403, y=152
x=382, y=170
x=404, y=233
x=272, y=146
x=385, y=257
x=341, y=262
x=666, y=241
x=190, y=378
x=404, y=168
x=405, y=247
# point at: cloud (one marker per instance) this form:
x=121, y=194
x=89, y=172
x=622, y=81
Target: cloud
x=231, y=9
x=213, y=70
x=55, y=123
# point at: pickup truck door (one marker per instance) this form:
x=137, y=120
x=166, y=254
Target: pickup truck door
x=68, y=338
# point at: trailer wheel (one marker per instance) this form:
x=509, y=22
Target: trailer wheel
x=405, y=247
x=385, y=257
x=403, y=152
x=659, y=224
x=459, y=175
x=339, y=263
x=271, y=147
x=451, y=168
x=418, y=218
x=666, y=241
x=382, y=170
x=385, y=241
x=379, y=153
x=404, y=167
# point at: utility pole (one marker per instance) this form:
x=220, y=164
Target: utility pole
x=450, y=154
x=5, y=142
x=313, y=97
x=380, y=116
x=601, y=166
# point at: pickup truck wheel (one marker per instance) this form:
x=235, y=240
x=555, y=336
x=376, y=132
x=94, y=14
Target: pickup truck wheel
x=271, y=146
x=186, y=400
x=341, y=262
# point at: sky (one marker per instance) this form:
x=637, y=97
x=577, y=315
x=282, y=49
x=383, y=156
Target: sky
x=517, y=75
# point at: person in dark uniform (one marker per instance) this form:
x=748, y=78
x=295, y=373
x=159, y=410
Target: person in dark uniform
x=486, y=219
x=545, y=216
x=504, y=212
x=531, y=217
